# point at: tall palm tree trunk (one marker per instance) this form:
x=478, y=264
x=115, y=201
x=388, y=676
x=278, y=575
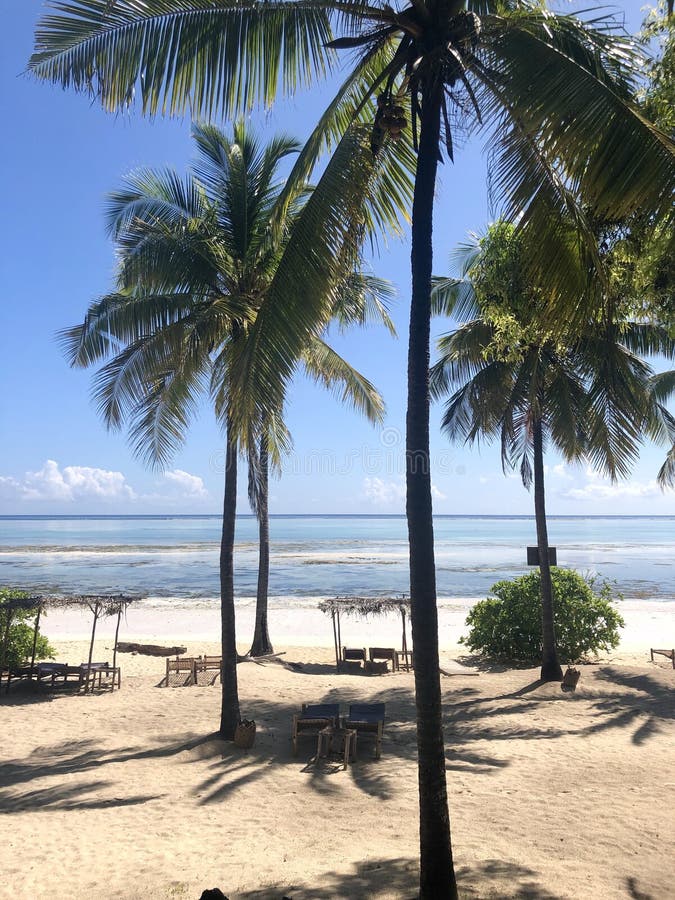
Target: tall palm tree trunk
x=261, y=639
x=550, y=667
x=229, y=709
x=437, y=876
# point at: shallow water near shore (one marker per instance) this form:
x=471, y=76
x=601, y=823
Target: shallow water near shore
x=177, y=556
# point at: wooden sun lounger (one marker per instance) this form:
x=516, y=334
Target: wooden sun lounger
x=209, y=664
x=384, y=653
x=312, y=719
x=669, y=654
x=182, y=665
x=367, y=717
x=354, y=654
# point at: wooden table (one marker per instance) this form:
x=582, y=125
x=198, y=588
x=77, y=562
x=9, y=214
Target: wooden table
x=345, y=739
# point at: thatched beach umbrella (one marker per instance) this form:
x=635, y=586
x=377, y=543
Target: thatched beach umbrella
x=99, y=604
x=102, y=605
x=364, y=607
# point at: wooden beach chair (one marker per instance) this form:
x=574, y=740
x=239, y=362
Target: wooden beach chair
x=388, y=654
x=354, y=655
x=312, y=719
x=367, y=718
x=209, y=664
x=184, y=668
x=669, y=654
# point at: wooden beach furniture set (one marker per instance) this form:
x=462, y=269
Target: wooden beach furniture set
x=86, y=676
x=376, y=659
x=336, y=733
x=185, y=670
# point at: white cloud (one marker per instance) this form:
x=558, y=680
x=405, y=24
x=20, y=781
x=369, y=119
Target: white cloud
x=599, y=488
x=385, y=493
x=187, y=485
x=70, y=484
x=559, y=471
x=86, y=485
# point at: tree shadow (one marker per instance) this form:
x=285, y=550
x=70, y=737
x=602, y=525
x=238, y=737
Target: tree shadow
x=488, y=879
x=487, y=664
x=634, y=890
x=399, y=877
x=644, y=704
x=69, y=797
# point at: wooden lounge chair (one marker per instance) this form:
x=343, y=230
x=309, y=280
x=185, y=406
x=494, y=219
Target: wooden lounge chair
x=385, y=653
x=367, y=717
x=354, y=654
x=312, y=719
x=209, y=664
x=51, y=671
x=669, y=654
x=182, y=666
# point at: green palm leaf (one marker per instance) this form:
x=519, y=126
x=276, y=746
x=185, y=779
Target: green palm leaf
x=219, y=57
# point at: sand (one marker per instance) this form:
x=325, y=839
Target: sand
x=130, y=794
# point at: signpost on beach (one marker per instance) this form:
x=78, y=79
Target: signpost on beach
x=533, y=556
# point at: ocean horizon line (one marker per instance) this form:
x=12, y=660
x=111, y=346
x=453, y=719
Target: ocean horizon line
x=313, y=515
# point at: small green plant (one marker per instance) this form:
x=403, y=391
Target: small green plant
x=21, y=633
x=508, y=625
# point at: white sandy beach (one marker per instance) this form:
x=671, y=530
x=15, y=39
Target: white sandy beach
x=130, y=795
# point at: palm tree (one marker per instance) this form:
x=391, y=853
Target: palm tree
x=199, y=264
x=360, y=302
x=584, y=391
x=552, y=94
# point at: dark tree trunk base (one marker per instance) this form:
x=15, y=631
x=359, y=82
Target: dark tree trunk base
x=551, y=672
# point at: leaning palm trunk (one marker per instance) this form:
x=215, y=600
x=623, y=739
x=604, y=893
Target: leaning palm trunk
x=261, y=639
x=550, y=667
x=229, y=710
x=437, y=874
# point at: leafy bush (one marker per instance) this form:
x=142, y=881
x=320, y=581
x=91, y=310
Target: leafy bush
x=508, y=625
x=20, y=645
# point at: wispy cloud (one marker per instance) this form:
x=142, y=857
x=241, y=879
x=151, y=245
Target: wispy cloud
x=599, y=488
x=388, y=493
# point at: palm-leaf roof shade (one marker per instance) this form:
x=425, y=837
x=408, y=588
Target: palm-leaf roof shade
x=99, y=604
x=364, y=607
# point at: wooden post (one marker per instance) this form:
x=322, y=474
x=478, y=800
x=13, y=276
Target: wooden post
x=5, y=644
x=117, y=631
x=337, y=651
x=339, y=632
x=5, y=641
x=35, y=637
x=94, y=609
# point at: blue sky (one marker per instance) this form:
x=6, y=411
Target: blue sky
x=61, y=155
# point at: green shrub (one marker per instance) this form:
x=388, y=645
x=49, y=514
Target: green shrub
x=20, y=645
x=508, y=625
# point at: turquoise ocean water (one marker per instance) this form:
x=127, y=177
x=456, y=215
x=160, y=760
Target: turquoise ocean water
x=177, y=556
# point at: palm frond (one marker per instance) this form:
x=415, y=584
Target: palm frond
x=303, y=293
x=328, y=368
x=209, y=57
